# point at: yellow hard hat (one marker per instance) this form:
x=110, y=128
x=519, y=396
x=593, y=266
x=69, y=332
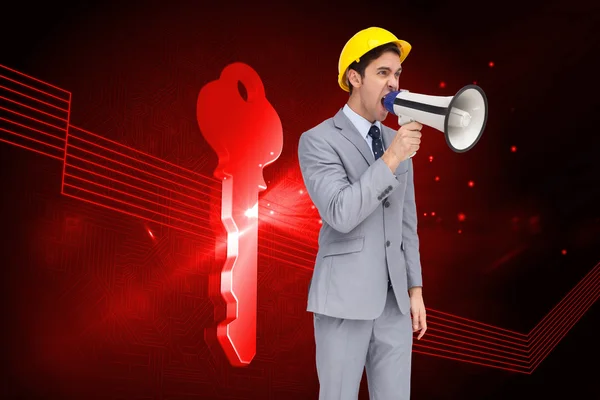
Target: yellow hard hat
x=363, y=42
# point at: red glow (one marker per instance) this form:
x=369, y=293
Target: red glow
x=437, y=178
x=539, y=342
x=461, y=217
x=442, y=84
x=430, y=158
x=433, y=213
x=471, y=183
x=564, y=252
x=491, y=64
x=513, y=149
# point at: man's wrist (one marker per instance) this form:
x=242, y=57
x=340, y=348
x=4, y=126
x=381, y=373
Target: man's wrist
x=415, y=291
x=391, y=159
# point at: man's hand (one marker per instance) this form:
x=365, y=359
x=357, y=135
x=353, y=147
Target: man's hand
x=417, y=310
x=405, y=143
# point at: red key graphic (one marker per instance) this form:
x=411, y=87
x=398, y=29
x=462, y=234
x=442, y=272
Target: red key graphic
x=246, y=133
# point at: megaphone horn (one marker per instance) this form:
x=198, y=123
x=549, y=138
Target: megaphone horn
x=461, y=117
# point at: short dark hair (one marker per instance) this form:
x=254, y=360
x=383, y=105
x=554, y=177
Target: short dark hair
x=369, y=56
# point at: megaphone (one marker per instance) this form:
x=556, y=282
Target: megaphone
x=461, y=117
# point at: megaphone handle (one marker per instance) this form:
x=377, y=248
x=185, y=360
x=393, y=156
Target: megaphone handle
x=402, y=120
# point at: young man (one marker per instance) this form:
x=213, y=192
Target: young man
x=367, y=281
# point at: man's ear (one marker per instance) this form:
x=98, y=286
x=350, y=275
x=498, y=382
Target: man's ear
x=354, y=78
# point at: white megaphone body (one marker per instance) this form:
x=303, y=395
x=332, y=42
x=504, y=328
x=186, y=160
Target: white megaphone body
x=461, y=117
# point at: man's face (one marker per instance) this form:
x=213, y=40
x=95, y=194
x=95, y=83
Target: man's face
x=381, y=78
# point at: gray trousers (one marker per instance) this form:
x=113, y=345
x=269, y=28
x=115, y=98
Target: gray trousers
x=344, y=348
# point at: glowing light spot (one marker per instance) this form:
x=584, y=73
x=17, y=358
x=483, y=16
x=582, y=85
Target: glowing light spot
x=474, y=82
x=491, y=64
x=459, y=231
x=313, y=207
x=442, y=84
x=513, y=149
x=564, y=252
x=461, y=217
x=424, y=214
x=437, y=178
x=471, y=183
x=272, y=153
x=271, y=212
x=430, y=158
x=433, y=213
x=252, y=212
x=259, y=165
x=150, y=233
x=301, y=191
x=320, y=221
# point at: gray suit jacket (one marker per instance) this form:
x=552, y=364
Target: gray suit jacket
x=369, y=222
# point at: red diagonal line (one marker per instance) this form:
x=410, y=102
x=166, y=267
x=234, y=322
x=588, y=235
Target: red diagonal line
x=476, y=345
x=543, y=321
x=589, y=287
x=136, y=169
x=466, y=361
x=478, y=323
x=566, y=330
x=134, y=196
x=433, y=328
x=134, y=205
x=139, y=216
x=480, y=334
x=144, y=190
x=475, y=327
x=35, y=79
x=418, y=345
x=427, y=340
x=32, y=88
x=32, y=139
x=146, y=154
x=554, y=337
x=133, y=177
x=33, y=108
x=33, y=129
x=32, y=98
x=29, y=148
x=135, y=159
x=34, y=119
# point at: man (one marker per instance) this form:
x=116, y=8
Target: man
x=367, y=281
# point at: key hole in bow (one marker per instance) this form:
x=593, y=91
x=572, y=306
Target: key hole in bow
x=243, y=91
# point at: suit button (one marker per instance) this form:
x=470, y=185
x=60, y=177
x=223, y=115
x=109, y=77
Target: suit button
x=388, y=243
x=387, y=204
x=389, y=188
x=379, y=197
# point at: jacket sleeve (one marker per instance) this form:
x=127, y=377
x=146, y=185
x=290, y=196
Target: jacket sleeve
x=341, y=204
x=410, y=238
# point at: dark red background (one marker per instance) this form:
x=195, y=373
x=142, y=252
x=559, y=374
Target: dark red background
x=135, y=71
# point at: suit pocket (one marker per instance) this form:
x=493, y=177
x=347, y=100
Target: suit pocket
x=345, y=246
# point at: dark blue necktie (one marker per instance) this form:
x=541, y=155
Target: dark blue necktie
x=377, y=144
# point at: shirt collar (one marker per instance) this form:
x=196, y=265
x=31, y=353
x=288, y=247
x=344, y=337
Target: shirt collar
x=361, y=124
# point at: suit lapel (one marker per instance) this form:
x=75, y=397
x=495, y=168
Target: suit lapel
x=349, y=131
